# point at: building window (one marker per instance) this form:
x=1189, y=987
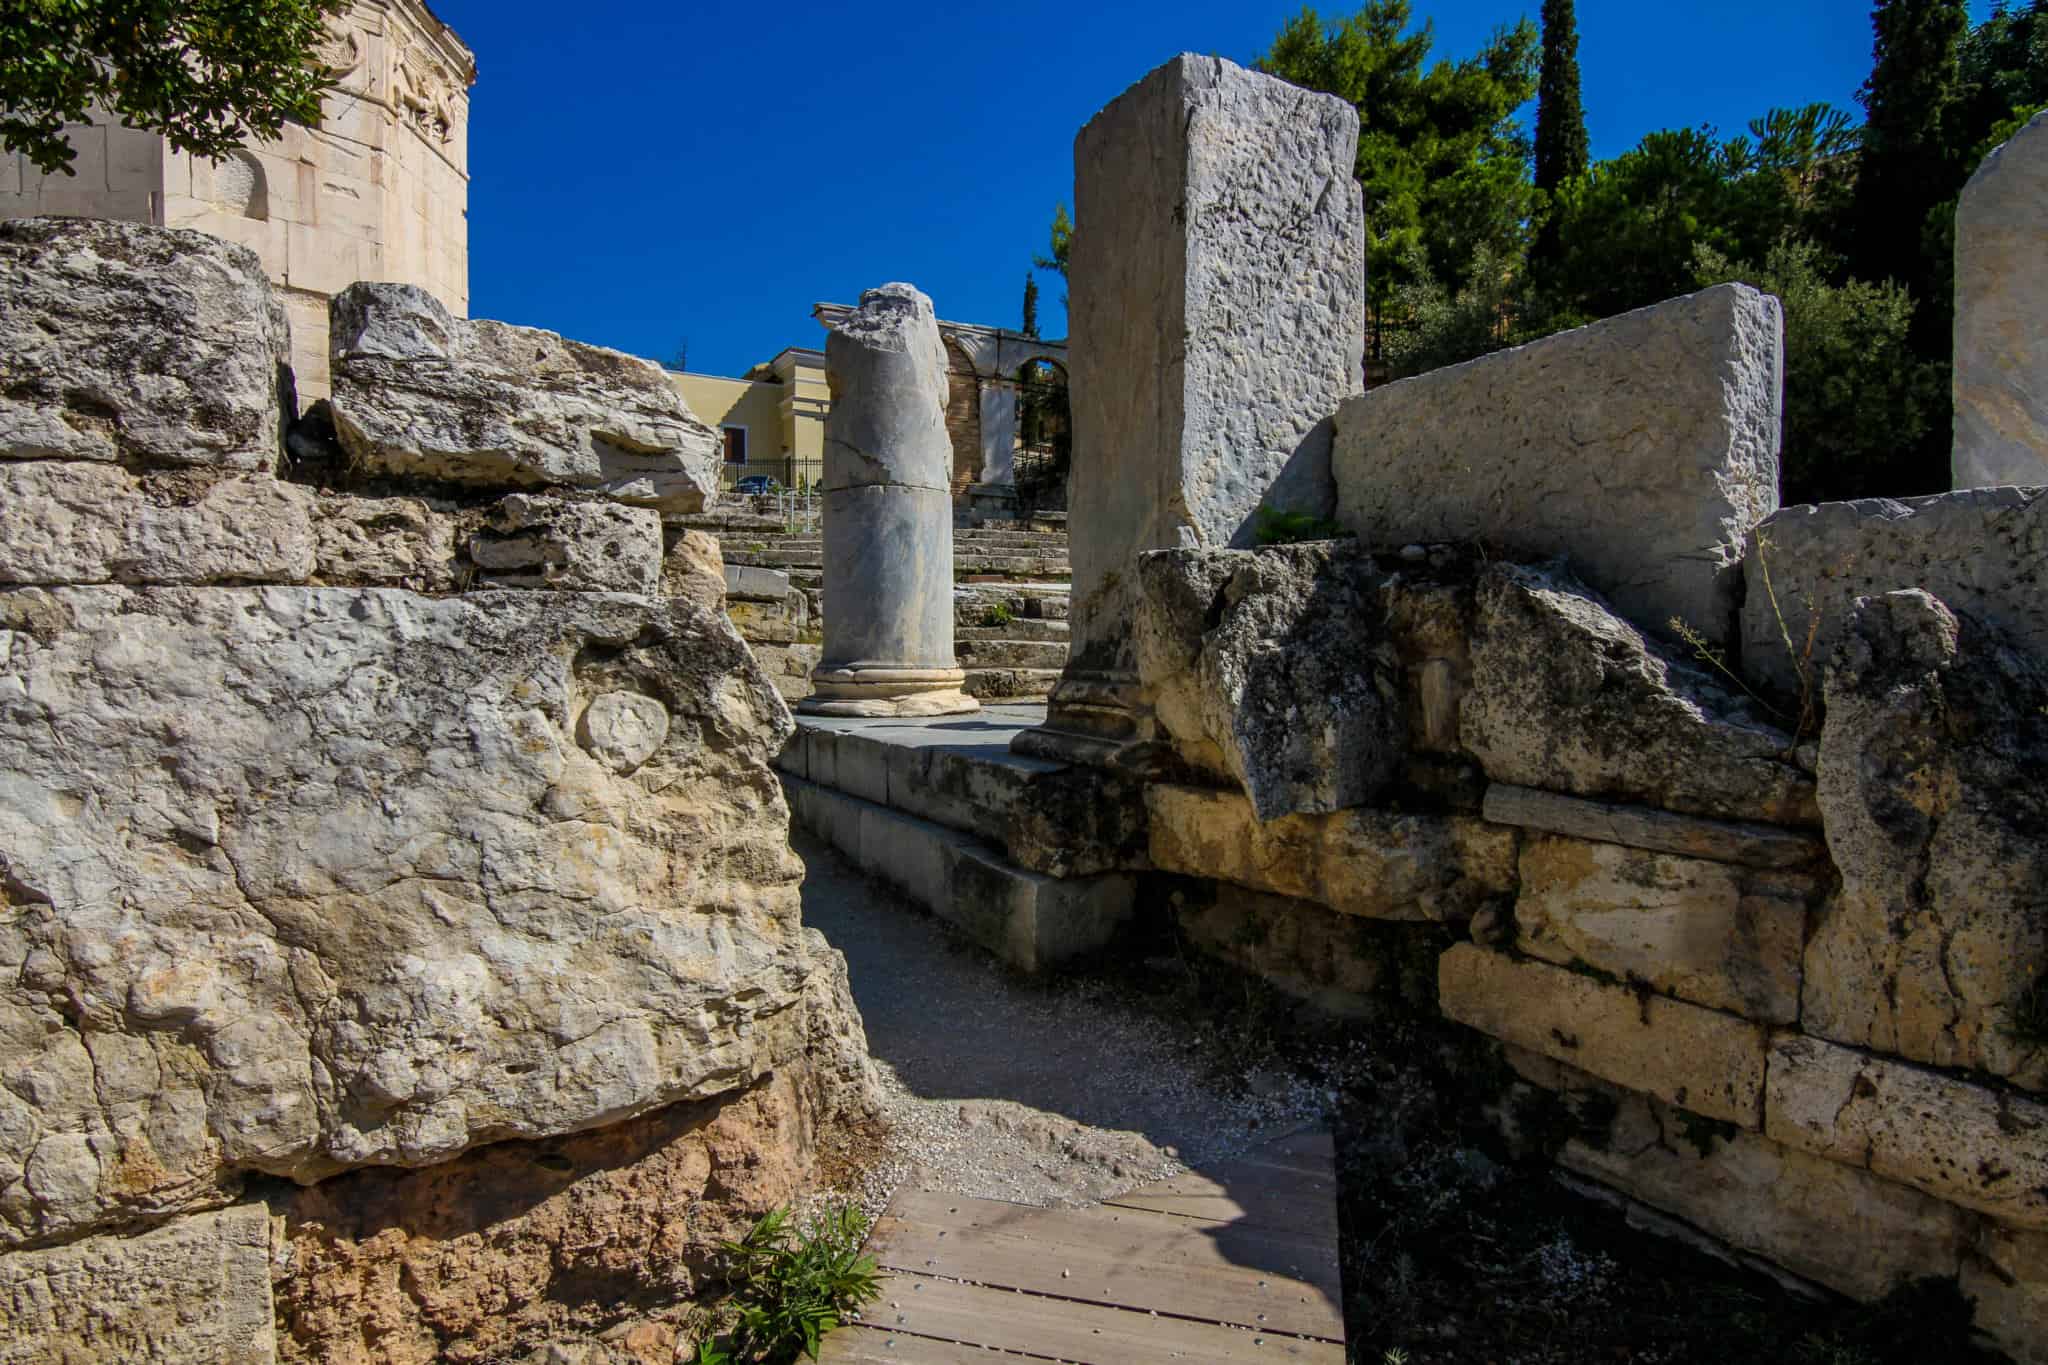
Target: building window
x=735, y=444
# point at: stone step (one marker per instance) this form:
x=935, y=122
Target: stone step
x=1016, y=628
x=981, y=542
x=1000, y=567
x=1026, y=601
x=1010, y=653
x=1009, y=684
x=1029, y=920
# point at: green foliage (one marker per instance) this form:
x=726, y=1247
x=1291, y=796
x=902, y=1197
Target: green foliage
x=790, y=1290
x=998, y=614
x=1030, y=304
x=207, y=74
x=1274, y=527
x=1060, y=246
x=1911, y=160
x=1561, y=145
x=1859, y=404
x=1442, y=158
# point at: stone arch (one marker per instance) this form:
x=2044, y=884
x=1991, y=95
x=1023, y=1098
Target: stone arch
x=241, y=187
x=963, y=412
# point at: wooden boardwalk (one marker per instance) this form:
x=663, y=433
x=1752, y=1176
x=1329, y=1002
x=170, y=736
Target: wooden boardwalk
x=1236, y=1263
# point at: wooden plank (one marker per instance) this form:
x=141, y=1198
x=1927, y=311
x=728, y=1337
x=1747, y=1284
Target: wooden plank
x=1146, y=1263
x=1062, y=1329
x=860, y=1344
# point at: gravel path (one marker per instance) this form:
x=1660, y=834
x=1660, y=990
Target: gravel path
x=999, y=1086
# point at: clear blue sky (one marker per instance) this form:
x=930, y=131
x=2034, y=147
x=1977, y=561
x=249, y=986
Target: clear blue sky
x=647, y=172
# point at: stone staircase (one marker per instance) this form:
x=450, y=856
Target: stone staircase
x=1009, y=603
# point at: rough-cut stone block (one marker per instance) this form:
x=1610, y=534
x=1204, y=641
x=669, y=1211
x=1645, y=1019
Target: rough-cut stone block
x=1566, y=696
x=94, y=523
x=1336, y=963
x=2008, y=1278
x=1983, y=551
x=754, y=584
x=1274, y=670
x=194, y=1292
x=1031, y=921
x=1725, y=841
x=301, y=879
x=1832, y=1224
x=1641, y=448
x=2001, y=356
x=420, y=393
x=384, y=543
x=1971, y=1145
x=1218, y=315
x=1930, y=785
x=1361, y=861
x=144, y=345
x=1705, y=932
x=540, y=542
x=1698, y=1059
x=693, y=568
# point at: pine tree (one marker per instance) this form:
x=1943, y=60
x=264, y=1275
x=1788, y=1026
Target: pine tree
x=1911, y=162
x=1030, y=304
x=1561, y=148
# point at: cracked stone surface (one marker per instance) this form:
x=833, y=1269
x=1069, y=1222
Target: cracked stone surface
x=303, y=879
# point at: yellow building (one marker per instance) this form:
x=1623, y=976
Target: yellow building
x=772, y=420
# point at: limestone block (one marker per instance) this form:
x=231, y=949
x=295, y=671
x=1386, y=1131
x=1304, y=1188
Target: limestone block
x=143, y=345
x=1218, y=314
x=888, y=533
x=384, y=543
x=1332, y=962
x=74, y=522
x=1274, y=670
x=2001, y=357
x=1707, y=932
x=1698, y=1059
x=1641, y=448
x=1361, y=861
x=1982, y=551
x=420, y=393
x=1566, y=696
x=2008, y=1278
x=328, y=877
x=756, y=584
x=529, y=541
x=193, y=1292
x=1930, y=786
x=1968, y=1144
x=1833, y=1224
x=694, y=568
x=1726, y=841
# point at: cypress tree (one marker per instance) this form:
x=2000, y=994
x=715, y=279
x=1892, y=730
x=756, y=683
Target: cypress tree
x=1910, y=161
x=1561, y=148
x=1030, y=304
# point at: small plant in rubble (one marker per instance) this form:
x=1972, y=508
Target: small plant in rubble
x=790, y=1287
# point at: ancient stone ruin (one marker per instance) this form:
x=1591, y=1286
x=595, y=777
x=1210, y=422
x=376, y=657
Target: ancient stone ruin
x=353, y=887
x=401, y=925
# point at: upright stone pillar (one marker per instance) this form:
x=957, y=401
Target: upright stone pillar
x=998, y=431
x=2001, y=338
x=1217, y=288
x=888, y=517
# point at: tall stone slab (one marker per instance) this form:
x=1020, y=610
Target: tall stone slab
x=888, y=517
x=2001, y=338
x=1218, y=311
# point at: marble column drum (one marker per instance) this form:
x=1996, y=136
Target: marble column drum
x=888, y=517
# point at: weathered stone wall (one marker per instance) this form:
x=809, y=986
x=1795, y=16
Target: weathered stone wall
x=1643, y=448
x=328, y=843
x=1803, y=973
x=2001, y=351
x=379, y=191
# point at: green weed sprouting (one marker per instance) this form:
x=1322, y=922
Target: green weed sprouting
x=998, y=615
x=790, y=1288
x=1275, y=527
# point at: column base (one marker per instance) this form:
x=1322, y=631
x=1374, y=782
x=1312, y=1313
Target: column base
x=1099, y=720
x=888, y=692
